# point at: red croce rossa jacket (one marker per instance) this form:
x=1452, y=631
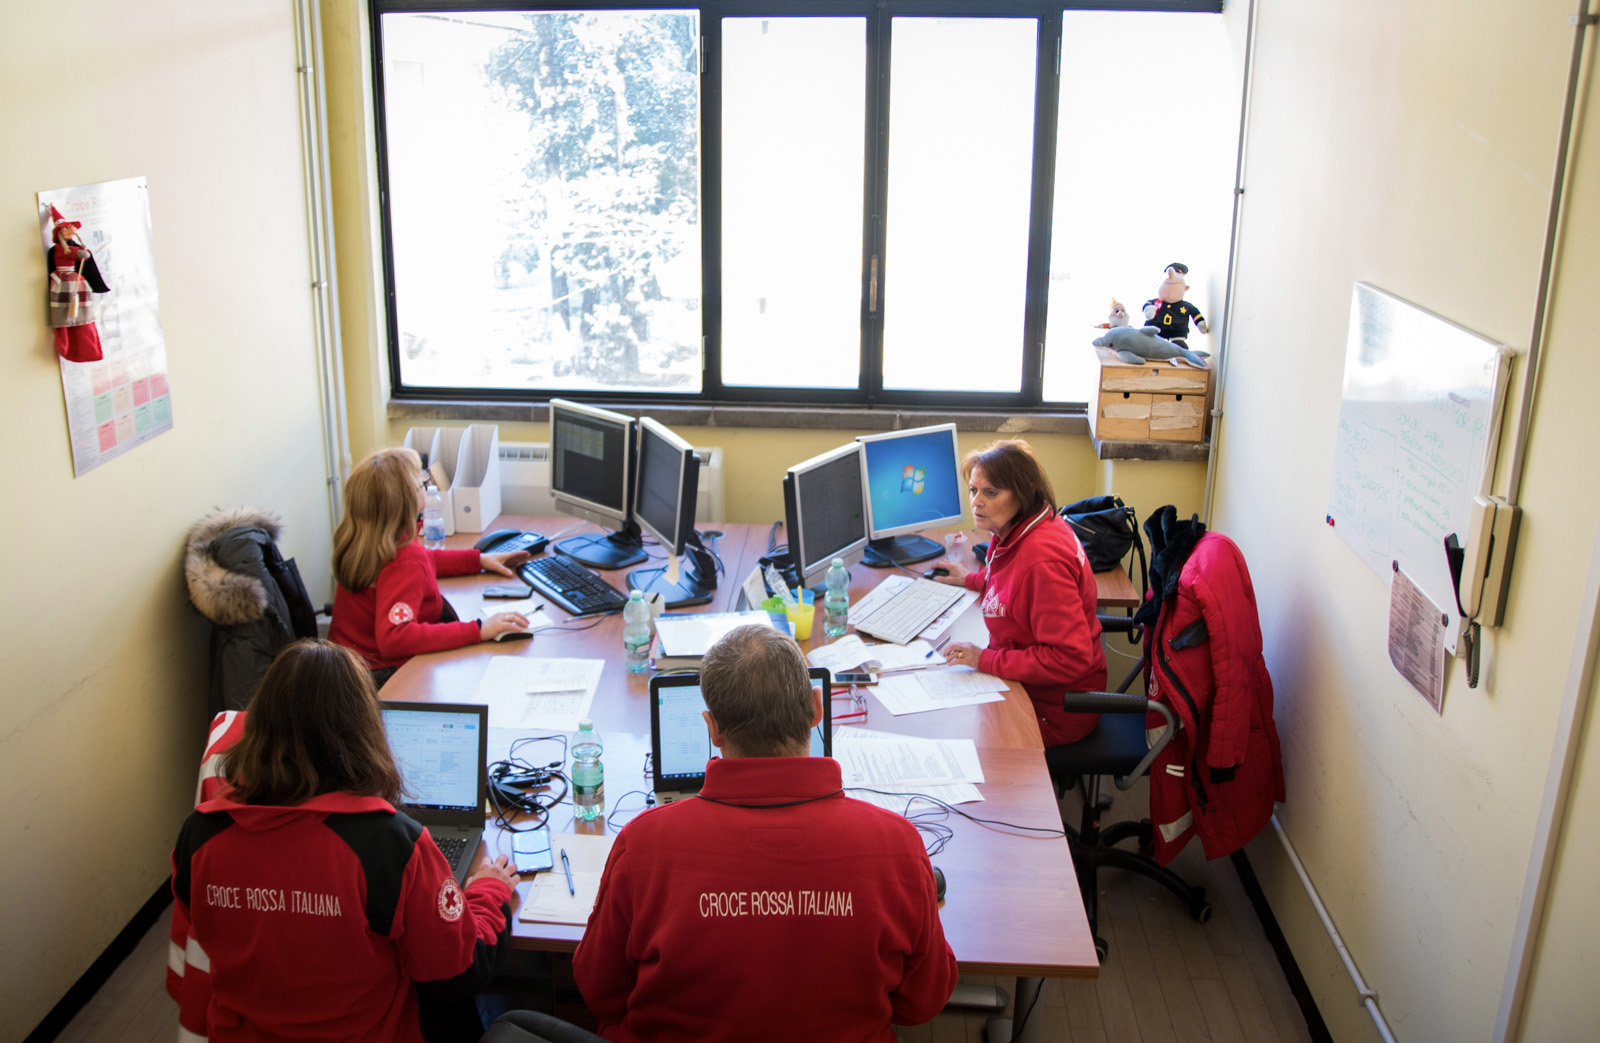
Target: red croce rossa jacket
x=1222, y=772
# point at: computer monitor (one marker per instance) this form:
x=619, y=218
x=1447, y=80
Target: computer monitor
x=825, y=511
x=591, y=476
x=665, y=492
x=913, y=482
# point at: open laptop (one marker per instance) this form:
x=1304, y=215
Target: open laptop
x=680, y=743
x=441, y=750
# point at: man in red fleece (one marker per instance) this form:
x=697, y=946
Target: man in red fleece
x=772, y=906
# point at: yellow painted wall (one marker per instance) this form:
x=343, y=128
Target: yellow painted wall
x=1410, y=143
x=105, y=663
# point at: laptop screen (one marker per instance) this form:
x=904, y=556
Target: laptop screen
x=438, y=753
x=682, y=741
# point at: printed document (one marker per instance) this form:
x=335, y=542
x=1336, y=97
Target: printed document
x=901, y=694
x=548, y=900
x=905, y=761
x=849, y=652
x=897, y=797
x=529, y=693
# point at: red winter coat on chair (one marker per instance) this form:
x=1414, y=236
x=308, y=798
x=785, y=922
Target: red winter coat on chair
x=1222, y=772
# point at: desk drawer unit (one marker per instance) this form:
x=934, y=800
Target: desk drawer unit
x=1158, y=401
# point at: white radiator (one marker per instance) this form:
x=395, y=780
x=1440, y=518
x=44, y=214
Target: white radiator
x=525, y=481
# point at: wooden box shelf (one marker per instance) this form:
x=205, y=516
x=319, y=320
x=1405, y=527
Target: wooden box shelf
x=1158, y=401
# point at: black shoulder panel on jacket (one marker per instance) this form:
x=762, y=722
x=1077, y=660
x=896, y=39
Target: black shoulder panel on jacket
x=383, y=842
x=198, y=828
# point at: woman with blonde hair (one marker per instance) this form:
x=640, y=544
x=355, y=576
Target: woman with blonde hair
x=387, y=606
x=308, y=906
x=1038, y=591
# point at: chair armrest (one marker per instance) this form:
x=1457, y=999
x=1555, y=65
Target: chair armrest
x=1123, y=702
x=1103, y=702
x=1116, y=624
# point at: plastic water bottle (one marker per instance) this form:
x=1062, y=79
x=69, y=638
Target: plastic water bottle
x=433, y=519
x=836, y=600
x=588, y=776
x=636, y=633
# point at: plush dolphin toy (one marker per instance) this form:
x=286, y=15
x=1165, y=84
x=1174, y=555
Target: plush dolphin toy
x=1134, y=344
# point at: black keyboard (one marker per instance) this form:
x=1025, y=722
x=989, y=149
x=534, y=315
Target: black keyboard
x=451, y=847
x=573, y=587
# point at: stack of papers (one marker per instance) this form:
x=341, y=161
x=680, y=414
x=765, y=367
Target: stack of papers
x=899, y=765
x=937, y=690
x=850, y=652
x=528, y=693
x=681, y=639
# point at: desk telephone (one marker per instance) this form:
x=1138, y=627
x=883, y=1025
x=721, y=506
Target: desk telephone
x=504, y=541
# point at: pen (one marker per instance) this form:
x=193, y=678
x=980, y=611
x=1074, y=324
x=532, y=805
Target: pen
x=936, y=648
x=566, y=867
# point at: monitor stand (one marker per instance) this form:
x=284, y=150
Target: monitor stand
x=696, y=581
x=901, y=550
x=614, y=550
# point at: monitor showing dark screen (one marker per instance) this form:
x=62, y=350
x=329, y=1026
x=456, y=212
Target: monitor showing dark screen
x=913, y=482
x=591, y=476
x=825, y=511
x=664, y=499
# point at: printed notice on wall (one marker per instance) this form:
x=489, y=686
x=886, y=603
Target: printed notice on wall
x=1416, y=638
x=120, y=400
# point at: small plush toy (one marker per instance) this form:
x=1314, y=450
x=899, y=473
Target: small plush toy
x=1134, y=344
x=1119, y=316
x=1168, y=312
x=73, y=276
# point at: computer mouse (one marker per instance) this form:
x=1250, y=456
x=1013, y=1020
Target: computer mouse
x=935, y=573
x=938, y=883
x=514, y=635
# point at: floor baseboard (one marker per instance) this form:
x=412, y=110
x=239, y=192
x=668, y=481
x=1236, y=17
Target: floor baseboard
x=1280, y=946
x=100, y=970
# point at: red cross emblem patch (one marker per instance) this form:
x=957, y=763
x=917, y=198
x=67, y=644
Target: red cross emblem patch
x=400, y=612
x=450, y=899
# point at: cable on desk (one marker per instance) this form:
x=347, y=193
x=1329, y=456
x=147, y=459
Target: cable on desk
x=987, y=823
x=772, y=538
x=611, y=816
x=506, y=779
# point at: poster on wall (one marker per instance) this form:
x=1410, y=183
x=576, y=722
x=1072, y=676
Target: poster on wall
x=119, y=398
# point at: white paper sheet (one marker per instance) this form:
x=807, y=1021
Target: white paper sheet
x=900, y=762
x=538, y=618
x=932, y=631
x=894, y=797
x=900, y=694
x=538, y=694
x=958, y=682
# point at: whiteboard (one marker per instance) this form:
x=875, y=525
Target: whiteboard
x=1419, y=422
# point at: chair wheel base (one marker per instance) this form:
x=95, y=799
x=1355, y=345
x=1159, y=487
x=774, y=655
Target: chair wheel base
x=1102, y=947
x=1199, y=908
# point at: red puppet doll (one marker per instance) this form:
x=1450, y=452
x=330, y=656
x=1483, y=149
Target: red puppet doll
x=73, y=277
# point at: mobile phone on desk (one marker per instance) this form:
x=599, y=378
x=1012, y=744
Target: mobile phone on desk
x=856, y=677
x=531, y=850
x=508, y=590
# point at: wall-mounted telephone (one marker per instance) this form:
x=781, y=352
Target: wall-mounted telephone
x=504, y=541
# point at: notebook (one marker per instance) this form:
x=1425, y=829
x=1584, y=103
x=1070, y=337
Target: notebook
x=441, y=750
x=680, y=744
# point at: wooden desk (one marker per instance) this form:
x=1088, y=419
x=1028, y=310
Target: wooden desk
x=1013, y=906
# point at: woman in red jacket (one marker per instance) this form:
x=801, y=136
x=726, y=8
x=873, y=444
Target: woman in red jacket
x=1038, y=592
x=387, y=606
x=306, y=905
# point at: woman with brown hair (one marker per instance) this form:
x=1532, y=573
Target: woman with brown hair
x=307, y=905
x=388, y=606
x=1038, y=592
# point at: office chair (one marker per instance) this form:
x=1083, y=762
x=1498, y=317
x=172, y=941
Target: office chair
x=1117, y=747
x=531, y=1026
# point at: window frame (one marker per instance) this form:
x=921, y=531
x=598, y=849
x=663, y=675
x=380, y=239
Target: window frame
x=879, y=16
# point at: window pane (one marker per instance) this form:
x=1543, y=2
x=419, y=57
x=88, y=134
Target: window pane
x=793, y=113
x=1149, y=133
x=544, y=198
x=960, y=170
